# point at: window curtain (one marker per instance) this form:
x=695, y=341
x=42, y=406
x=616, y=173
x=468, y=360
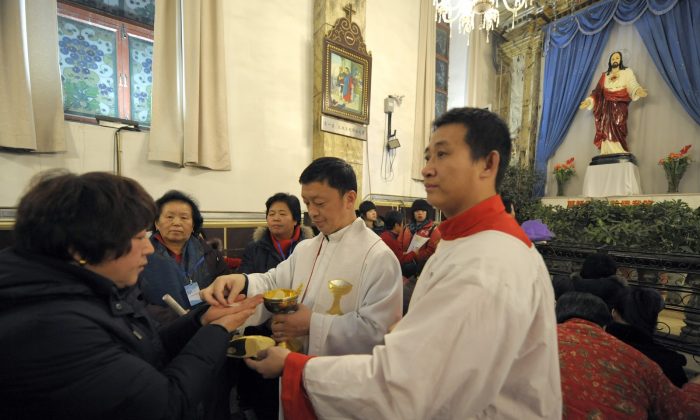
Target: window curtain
x=425, y=87
x=573, y=47
x=31, y=109
x=189, y=125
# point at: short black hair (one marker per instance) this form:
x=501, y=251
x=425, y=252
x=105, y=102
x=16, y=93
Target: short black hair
x=486, y=132
x=290, y=200
x=640, y=308
x=508, y=204
x=598, y=266
x=582, y=305
x=392, y=218
x=175, y=195
x=94, y=215
x=336, y=172
x=562, y=284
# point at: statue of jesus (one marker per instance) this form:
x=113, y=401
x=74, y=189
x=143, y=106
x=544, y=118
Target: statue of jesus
x=609, y=100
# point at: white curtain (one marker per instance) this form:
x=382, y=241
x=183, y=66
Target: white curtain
x=31, y=105
x=190, y=118
x=425, y=87
x=657, y=124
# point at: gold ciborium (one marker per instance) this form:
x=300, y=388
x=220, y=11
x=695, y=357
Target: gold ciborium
x=283, y=301
x=338, y=288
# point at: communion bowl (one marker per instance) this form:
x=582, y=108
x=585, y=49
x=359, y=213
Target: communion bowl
x=340, y=287
x=281, y=301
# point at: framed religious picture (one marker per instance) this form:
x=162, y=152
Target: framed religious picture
x=346, y=82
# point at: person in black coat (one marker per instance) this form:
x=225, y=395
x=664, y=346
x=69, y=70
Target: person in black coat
x=636, y=314
x=597, y=277
x=271, y=245
x=77, y=342
x=275, y=242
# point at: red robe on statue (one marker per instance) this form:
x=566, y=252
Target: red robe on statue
x=610, y=112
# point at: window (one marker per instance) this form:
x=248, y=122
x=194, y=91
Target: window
x=105, y=57
x=442, y=65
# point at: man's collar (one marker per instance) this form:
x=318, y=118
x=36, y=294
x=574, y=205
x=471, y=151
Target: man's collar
x=490, y=214
x=340, y=233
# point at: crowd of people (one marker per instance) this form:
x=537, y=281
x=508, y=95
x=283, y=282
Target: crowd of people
x=456, y=320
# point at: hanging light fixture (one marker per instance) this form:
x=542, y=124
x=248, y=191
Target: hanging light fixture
x=464, y=12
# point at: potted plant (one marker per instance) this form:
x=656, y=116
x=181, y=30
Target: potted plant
x=563, y=173
x=675, y=165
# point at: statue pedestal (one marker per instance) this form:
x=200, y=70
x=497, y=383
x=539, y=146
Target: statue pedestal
x=612, y=175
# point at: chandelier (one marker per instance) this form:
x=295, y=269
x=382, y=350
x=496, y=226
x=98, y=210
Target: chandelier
x=464, y=12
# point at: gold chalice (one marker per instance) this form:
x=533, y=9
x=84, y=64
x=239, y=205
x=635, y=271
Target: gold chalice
x=338, y=288
x=283, y=301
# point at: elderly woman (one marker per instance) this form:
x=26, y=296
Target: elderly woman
x=77, y=342
x=274, y=243
x=183, y=263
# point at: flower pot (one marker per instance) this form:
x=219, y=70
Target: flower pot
x=673, y=185
x=560, y=188
x=674, y=173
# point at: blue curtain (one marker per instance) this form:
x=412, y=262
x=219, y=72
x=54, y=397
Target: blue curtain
x=573, y=46
x=673, y=41
x=568, y=72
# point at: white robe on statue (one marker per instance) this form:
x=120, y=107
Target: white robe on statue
x=354, y=254
x=479, y=339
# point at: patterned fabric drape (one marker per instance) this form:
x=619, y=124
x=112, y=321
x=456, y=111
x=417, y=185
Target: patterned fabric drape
x=31, y=109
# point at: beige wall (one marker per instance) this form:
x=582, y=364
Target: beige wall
x=269, y=99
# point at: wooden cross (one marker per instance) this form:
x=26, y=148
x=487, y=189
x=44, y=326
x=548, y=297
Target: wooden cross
x=349, y=11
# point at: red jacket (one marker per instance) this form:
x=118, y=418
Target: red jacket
x=392, y=241
x=431, y=231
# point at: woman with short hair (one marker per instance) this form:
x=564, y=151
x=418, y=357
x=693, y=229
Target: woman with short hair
x=183, y=263
x=77, y=341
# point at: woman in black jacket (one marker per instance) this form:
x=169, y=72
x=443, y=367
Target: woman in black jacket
x=76, y=340
x=275, y=242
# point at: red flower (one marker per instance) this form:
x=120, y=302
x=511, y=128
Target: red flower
x=570, y=161
x=685, y=148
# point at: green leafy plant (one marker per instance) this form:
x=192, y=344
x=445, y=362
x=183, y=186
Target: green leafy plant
x=519, y=185
x=667, y=226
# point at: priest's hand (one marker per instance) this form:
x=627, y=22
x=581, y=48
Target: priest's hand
x=587, y=103
x=287, y=326
x=223, y=290
x=641, y=92
x=270, y=363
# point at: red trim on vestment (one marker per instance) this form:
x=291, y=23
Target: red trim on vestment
x=490, y=214
x=295, y=402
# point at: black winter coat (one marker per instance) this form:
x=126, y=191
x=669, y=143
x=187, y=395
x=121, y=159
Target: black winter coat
x=668, y=360
x=260, y=255
x=76, y=347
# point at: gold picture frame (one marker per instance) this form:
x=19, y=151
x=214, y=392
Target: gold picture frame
x=346, y=83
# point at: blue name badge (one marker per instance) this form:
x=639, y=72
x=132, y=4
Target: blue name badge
x=192, y=291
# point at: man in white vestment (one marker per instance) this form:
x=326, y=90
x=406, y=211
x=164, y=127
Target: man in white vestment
x=344, y=250
x=479, y=339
